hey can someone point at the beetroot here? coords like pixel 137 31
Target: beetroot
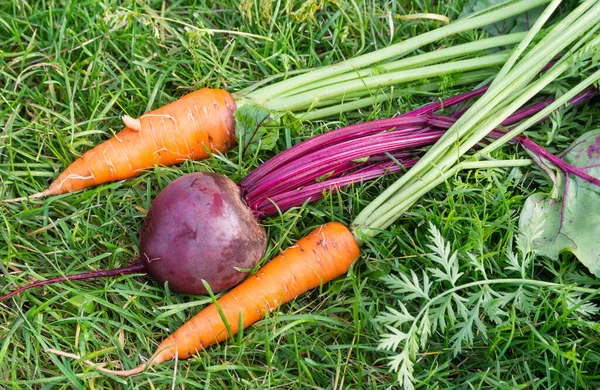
pixel 199 228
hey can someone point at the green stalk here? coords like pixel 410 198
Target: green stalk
pixel 500 101
pixel 375 228
pixel 416 61
pixel 351 105
pixel 475 114
pixel 400 202
pixel 558 69
pixel 392 207
pixel 351 65
pixel 307 99
pixel 359 94
pixel 529 67
pixel 564 99
pixel 535 29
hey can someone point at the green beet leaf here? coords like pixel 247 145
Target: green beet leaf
pixel 568 219
pixel 251 128
pixel 513 24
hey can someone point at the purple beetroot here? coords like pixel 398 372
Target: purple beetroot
pixel 199 228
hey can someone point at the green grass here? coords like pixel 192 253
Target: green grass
pixel 68 72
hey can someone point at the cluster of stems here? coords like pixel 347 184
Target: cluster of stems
pixel 575 36
pixel 369 150
pixel 359 81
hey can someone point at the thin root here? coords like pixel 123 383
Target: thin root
pixel 133 124
pixel 39 195
pixel 98 366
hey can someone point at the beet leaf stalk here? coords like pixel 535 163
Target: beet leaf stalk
pixel 369 150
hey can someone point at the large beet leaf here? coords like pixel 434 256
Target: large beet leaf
pixel 568 219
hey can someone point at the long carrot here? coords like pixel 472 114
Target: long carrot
pixel 326 253
pixel 187 128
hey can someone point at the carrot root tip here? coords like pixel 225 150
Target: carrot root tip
pixel 39 195
pixel 98 366
pixel 133 124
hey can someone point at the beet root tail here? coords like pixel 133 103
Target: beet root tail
pixel 136 268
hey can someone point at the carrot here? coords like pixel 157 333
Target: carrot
pixel 183 129
pixel 326 253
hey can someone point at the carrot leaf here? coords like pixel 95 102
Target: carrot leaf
pixel 566 220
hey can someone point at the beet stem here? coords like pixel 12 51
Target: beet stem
pixel 288 181
pixel 309 168
pixel 136 268
pixel 326 139
pixel 556 161
pixel 352 132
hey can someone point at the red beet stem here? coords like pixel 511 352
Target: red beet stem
pixel 327 139
pixel 290 183
pixel 316 191
pixel 133 269
pixel 409 119
pixel 539 153
pixel 329 160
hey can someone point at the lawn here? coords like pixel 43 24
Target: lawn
pixel 70 70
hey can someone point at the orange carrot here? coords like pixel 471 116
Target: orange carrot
pixel 326 253
pixel 169 135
